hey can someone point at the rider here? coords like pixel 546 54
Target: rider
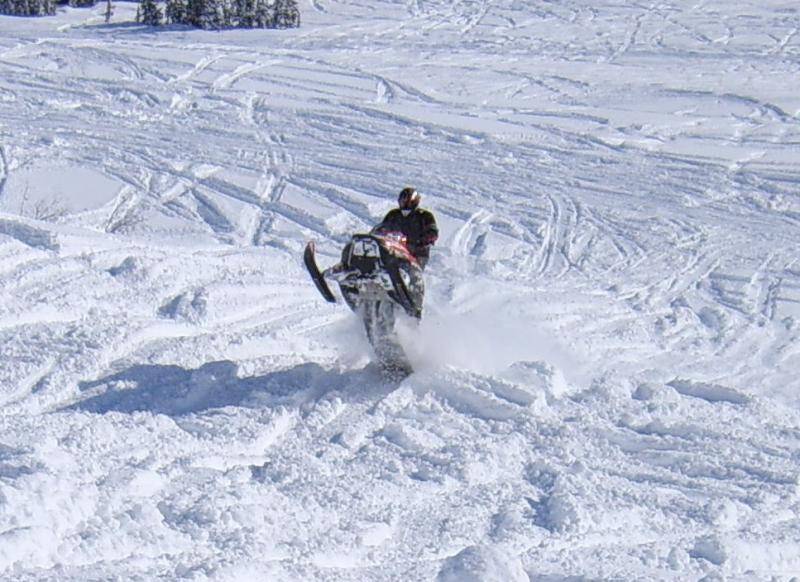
pixel 419 227
pixel 417 224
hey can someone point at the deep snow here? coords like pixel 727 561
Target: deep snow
pixel 606 381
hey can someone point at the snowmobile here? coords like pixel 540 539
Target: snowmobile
pixel 377 275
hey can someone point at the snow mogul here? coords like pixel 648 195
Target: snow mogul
pixel 381 271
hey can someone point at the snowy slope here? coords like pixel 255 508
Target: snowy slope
pixel 606 383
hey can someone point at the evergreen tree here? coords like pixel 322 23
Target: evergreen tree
pixel 10 7
pixel 263 14
pixel 81 3
pixel 194 10
pixel 287 14
pixel 27 7
pixel 244 13
pixel 150 13
pixel 175 12
pixel 214 15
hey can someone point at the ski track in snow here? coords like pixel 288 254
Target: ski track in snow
pixel 606 381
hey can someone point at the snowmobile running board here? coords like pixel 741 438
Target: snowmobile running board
pixel 309 258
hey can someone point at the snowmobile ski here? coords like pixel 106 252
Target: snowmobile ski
pixel 402 294
pixel 310 260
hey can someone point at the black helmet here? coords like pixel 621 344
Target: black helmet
pixel 408 199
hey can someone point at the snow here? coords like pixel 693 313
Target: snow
pixel 606 378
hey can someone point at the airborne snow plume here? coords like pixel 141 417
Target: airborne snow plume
pixel 487 334
pixel 606 381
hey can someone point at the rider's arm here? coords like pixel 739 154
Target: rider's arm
pixel 383 224
pixel 430 231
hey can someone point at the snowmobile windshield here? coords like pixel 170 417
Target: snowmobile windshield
pixel 393 236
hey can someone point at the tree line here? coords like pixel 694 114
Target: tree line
pixel 28 7
pixel 219 14
pixel 208 14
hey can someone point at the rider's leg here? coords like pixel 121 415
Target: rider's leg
pixel 417 289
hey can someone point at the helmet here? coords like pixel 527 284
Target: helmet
pixel 408 199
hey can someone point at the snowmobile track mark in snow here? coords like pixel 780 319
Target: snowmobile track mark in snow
pixel 3 170
pixel 227 80
pixel 198 68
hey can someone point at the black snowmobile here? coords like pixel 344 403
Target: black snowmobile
pixel 377 275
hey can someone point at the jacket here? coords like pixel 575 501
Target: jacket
pixel 419 227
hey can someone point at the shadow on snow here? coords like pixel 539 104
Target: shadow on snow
pixel 175 391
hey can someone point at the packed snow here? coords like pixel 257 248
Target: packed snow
pixel 606 378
